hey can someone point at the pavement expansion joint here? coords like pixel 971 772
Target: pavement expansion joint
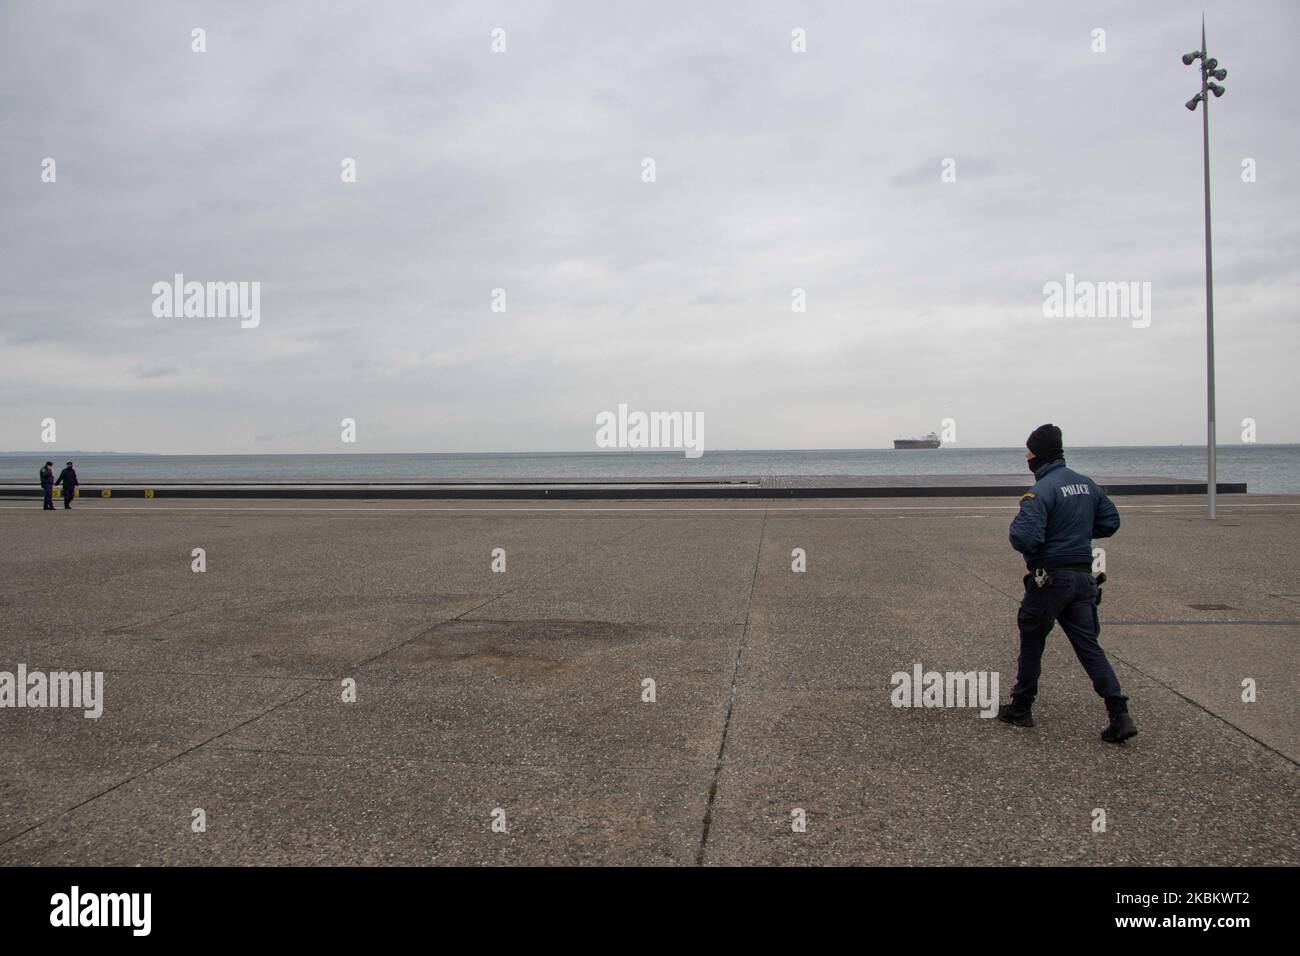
pixel 731 701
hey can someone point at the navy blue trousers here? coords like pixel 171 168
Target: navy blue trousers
pixel 1071 599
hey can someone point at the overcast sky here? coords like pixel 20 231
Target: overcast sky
pixel 522 170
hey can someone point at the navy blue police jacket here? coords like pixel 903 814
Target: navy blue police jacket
pixel 1059 516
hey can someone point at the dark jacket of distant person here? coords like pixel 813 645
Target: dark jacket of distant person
pixel 47 478
pixel 1059 516
pixel 68 479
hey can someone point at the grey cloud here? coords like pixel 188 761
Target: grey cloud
pixel 157 371
pixel 776 170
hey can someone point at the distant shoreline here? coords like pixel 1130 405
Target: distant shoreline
pixel 610 453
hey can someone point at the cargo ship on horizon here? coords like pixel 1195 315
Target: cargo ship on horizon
pixel 929 441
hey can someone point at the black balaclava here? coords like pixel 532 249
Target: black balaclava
pixel 1044 443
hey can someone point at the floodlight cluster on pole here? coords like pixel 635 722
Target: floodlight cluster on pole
pixel 1210 72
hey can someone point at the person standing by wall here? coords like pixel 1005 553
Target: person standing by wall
pixel 47 486
pixel 68 479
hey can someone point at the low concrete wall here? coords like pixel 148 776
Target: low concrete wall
pixel 783 488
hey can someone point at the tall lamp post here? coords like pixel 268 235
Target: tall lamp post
pixel 1210 71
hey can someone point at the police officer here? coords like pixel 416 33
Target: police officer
pixel 47 485
pixel 68 479
pixel 1059 516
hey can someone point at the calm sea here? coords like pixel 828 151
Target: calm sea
pixel 1264 468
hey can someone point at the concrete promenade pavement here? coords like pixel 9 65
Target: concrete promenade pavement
pixel 522 691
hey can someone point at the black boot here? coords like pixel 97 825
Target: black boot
pixel 1121 726
pixel 1017 712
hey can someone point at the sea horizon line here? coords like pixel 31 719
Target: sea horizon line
pixel 608 453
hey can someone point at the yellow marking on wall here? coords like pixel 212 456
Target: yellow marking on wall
pixel 105 493
pixel 148 492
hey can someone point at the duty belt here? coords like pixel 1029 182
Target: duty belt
pixel 1043 576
